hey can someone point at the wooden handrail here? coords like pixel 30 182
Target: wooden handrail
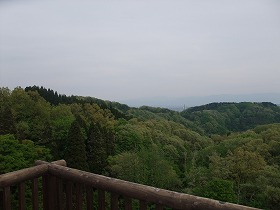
pixel 142 192
pixel 22 175
pixel 57 162
pixel 56 173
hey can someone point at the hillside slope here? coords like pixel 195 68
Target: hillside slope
pixel 223 118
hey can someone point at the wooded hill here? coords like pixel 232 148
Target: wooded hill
pixel 225 151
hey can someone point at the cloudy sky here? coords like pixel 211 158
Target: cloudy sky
pixel 125 49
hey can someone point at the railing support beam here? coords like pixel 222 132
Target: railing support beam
pixel 35 194
pixel 7 198
pixel 21 190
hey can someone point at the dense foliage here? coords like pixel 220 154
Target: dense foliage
pixel 223 118
pixel 224 151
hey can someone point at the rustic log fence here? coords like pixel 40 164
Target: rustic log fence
pixel 68 188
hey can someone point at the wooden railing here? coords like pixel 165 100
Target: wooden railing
pixel 68 188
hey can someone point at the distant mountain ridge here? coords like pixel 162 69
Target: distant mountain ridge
pixel 212 118
pixel 223 118
pixel 179 103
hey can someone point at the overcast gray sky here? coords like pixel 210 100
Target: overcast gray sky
pixel 128 49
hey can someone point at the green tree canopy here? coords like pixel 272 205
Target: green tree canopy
pixel 15 155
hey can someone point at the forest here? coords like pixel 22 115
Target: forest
pixel 224 151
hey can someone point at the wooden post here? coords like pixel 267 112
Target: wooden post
pixel 45 180
pixel 159 207
pixel 79 197
pixel 69 200
pixel 101 199
pixel 143 205
pixel 114 201
pixel 89 198
pixel 60 196
pixel 52 193
pixel 7 198
pixel 127 203
pixel 35 195
pixel 49 192
pixel 21 194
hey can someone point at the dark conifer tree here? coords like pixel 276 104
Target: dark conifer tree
pixel 96 149
pixel 7 123
pixel 56 98
pixel 75 154
pixel 83 125
pixel 110 141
